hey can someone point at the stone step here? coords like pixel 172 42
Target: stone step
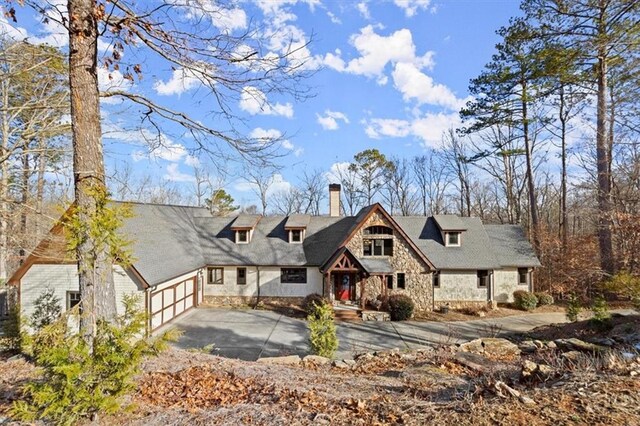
pixel 347 315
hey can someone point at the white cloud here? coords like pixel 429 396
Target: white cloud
pixel 53 32
pixel 333 18
pixel 112 81
pixel 254 101
pixel 181 81
pixel 226 19
pixel 277 184
pixel 429 128
pixel 415 85
pixel 164 150
pixel 192 161
pixel 330 119
pixel 363 8
pixel 10 31
pixel 410 7
pixel 268 135
pixel 175 175
pixel 377 51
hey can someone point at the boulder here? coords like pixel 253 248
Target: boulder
pixel 552 345
pixel 602 341
pixel 316 359
pixel 574 344
pixel 364 356
pixel 340 364
pixel 473 361
pixel 539 344
pixel 283 360
pixel 530 368
pixel 492 347
pixel 349 362
pixel 528 347
pixel 628 333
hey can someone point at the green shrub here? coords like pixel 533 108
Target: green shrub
pixel 525 300
pixel 310 303
pixel 47 309
pixel 400 307
pixel 600 311
pixel 322 331
pixel 544 298
pixel 77 382
pixel 573 308
pixel 626 285
pixel 10 330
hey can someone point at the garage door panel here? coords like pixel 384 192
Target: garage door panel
pixel 168 303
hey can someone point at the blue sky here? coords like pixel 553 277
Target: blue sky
pixel 390 75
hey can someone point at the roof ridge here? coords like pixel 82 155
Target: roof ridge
pixel 158 204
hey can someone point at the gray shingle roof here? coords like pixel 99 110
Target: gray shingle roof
pixel 172 240
pixel 244 221
pixel 511 246
pixel 448 222
pixel 297 221
pixel 375 265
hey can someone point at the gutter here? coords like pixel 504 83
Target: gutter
pixel 258 287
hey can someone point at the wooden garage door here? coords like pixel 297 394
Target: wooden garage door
pixel 171 302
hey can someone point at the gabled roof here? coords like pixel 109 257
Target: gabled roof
pixel 448 222
pixel 297 221
pixel 246 221
pixel 169 241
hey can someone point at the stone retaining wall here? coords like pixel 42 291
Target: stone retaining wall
pixel 250 300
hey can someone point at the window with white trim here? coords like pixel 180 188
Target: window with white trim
pixel 483 278
pixel 295 235
pixel 523 276
pixel 452 239
pixel 215 275
pixel 73 299
pixel 241 276
pixel 242 236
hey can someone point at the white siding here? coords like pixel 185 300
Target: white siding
pixel 270 285
pixel 506 282
pixel 63 278
pixel 460 286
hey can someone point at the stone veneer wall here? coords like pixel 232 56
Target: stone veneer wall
pixel 404 259
pixel 250 300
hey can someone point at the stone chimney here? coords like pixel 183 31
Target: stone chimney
pixel 334 199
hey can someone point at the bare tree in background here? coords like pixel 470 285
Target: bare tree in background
pixel 432 181
pixel 456 160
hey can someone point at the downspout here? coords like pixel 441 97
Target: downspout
pixel 258 287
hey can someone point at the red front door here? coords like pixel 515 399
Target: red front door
pixel 343 286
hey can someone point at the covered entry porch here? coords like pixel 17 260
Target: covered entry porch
pixel 349 280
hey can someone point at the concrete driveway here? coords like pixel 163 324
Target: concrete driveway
pixel 252 334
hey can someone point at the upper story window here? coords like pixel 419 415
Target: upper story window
pixel 296 235
pixel 378 230
pixel 452 239
pixel 378 247
pixel 242 236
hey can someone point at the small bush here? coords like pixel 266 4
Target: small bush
pixel 10 330
pixel 79 382
pixel 400 307
pixel 322 331
pixel 600 311
pixel 310 303
pixel 525 300
pixel 573 308
pixel 626 285
pixel 544 299
pixel 47 309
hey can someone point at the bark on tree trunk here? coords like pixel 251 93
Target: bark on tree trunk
pixel 26 174
pixel 42 158
pixel 602 157
pixel 563 181
pixel 533 202
pixel 94 266
pixel 4 187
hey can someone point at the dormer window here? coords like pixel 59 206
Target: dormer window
pixel 242 236
pixel 296 235
pixel 452 239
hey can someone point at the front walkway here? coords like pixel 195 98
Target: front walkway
pixel 252 334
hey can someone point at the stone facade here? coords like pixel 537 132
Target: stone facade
pixel 404 260
pixel 250 300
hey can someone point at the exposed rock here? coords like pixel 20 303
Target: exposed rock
pixel 539 344
pixel 349 362
pixel 340 364
pixel 430 376
pixel 627 333
pixel 552 345
pixel 546 370
pixel 473 361
pixel 425 350
pixel 322 419
pixel 603 341
pixel 285 360
pixel 490 346
pixel 574 344
pixel 504 390
pixel 530 368
pixel 316 359
pixel 481 314
pixel 528 347
pixel 409 357
pixel 364 356
pixel 18 357
pixel 375 316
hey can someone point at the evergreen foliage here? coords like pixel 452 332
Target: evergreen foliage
pixel 47 309
pixel 322 331
pixel 544 298
pixel 573 308
pixel 311 302
pixel 627 285
pixel 79 380
pixel 400 307
pixel 600 309
pixel 525 300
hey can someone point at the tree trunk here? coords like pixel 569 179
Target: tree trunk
pixel 26 172
pixel 602 155
pixel 533 202
pixel 4 185
pixel 95 273
pixel 42 163
pixel 563 178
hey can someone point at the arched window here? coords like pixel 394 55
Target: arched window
pixel 378 230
